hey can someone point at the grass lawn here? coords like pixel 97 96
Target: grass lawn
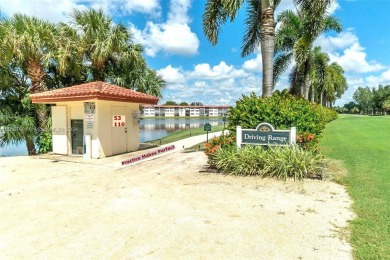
pixel 179 135
pixel 363 144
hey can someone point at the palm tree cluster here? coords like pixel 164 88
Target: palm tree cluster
pixel 312 76
pixel 36 55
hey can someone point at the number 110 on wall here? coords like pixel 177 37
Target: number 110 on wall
pixel 119 121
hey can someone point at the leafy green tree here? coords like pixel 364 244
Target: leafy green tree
pixel 197 103
pixel 355 110
pixel 112 56
pixel 17 115
pixel 260 30
pixel 363 97
pixel 294 40
pixel 170 103
pixel 335 85
pixel 386 105
pixel 183 104
pixel 32 44
pixel 351 105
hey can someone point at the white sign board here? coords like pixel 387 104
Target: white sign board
pixel 119 121
pixel 89 117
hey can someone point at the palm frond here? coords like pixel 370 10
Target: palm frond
pixel 251 38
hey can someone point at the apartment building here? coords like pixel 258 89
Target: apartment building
pixel 182 111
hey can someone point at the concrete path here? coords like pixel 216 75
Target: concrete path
pixel 136 157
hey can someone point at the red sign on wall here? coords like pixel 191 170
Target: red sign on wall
pixel 119 121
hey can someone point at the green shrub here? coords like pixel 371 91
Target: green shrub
pixel 215 144
pixel 281 111
pixel 277 162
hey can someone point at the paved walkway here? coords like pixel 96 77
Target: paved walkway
pixel 136 157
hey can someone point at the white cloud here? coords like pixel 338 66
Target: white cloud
pixel 59 10
pixel 174 36
pixel 354 59
pixel 333 7
pixel 254 65
pixel 218 72
pixel 172 75
pixel 220 84
pixel 333 43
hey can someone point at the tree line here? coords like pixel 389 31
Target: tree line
pixel 369 101
pixel 37 55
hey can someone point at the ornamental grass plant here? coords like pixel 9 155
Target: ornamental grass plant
pixel 276 162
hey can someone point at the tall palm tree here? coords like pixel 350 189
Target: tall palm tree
pixel 260 29
pixel 317 74
pixel 294 40
pixel 32 44
pixel 111 53
pixel 105 43
pixel 335 85
pixel 17 115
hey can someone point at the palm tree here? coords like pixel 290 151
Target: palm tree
pixel 335 85
pixel 17 115
pixel 32 44
pixel 111 53
pixel 318 71
pixel 260 28
pixel 294 40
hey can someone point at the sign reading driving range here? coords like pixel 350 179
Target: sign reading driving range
pixel 265 134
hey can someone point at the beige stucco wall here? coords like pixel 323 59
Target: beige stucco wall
pixel 101 132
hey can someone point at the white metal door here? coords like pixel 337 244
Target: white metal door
pixel 59 129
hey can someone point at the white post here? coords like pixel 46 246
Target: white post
pixel 293 136
pixel 87 147
pixel 238 136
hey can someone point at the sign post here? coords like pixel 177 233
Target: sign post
pixel 207 128
pixel 265 134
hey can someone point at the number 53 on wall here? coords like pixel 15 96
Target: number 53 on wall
pixel 119 121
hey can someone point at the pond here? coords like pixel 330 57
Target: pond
pixel 150 129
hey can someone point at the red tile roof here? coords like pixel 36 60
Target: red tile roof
pixel 93 90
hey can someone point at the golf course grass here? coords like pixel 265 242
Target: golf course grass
pixel 363 144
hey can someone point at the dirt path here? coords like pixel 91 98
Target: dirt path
pixel 165 208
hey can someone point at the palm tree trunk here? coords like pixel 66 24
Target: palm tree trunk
pixel 306 87
pixel 321 96
pixel 36 74
pixel 267 49
pixel 30 145
pixel 312 94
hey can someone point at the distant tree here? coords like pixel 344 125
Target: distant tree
pixel 355 110
pixel 364 98
pixel 170 103
pixel 183 104
pixel 386 105
pixel 351 105
pixel 196 104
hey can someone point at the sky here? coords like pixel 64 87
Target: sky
pixel 175 46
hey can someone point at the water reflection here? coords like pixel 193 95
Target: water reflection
pixel 155 128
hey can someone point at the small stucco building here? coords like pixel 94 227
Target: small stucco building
pixel 96 119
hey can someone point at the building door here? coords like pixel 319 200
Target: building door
pixel 77 133
pixel 119 130
pixel 59 129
